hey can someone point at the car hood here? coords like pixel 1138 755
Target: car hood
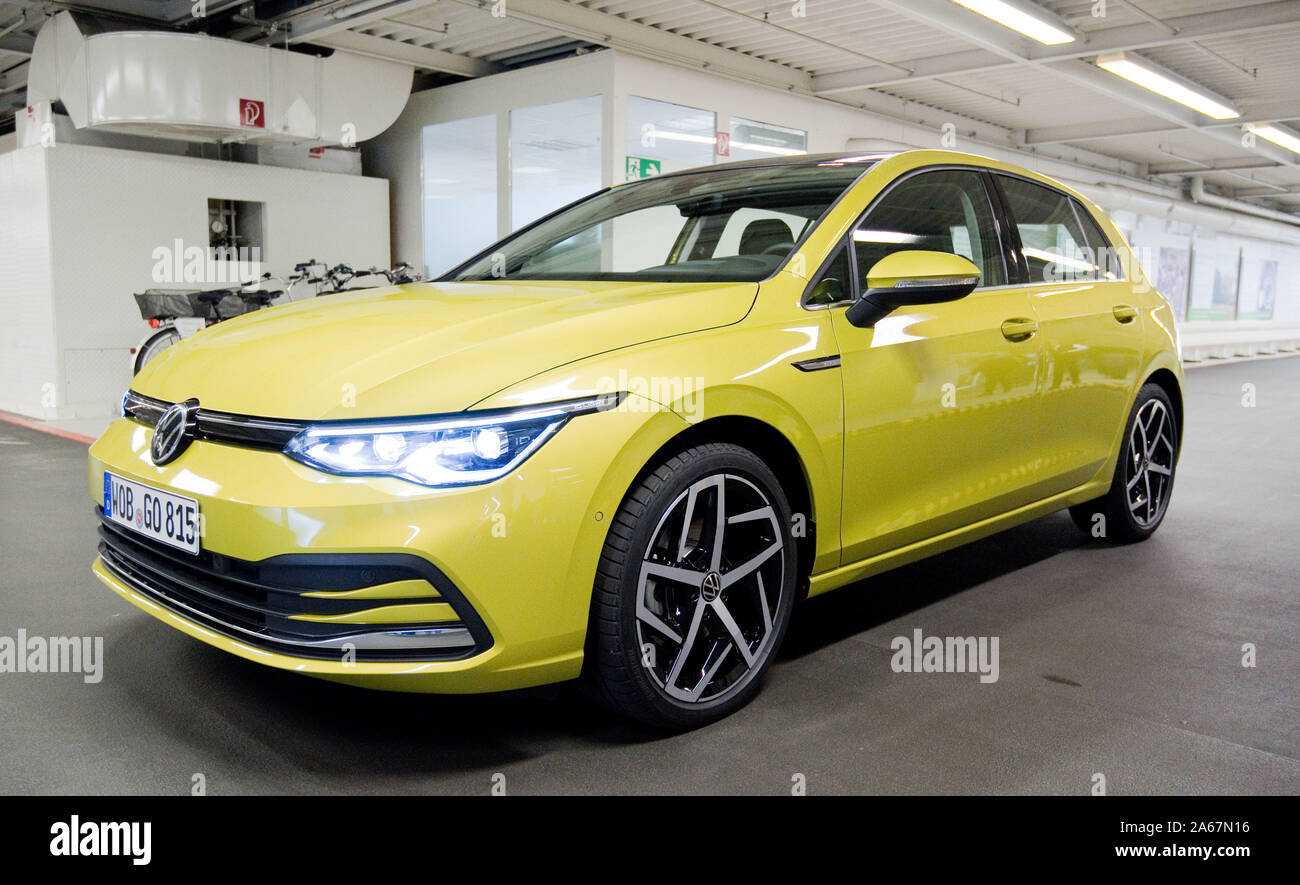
pixel 423 348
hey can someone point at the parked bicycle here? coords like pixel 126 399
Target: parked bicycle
pixel 174 314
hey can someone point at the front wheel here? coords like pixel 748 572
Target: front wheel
pixel 1144 476
pixel 694 589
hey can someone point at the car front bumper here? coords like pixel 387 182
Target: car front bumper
pixel 377 581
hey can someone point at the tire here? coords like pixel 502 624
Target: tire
pixel 1139 493
pixel 669 604
pixel 156 344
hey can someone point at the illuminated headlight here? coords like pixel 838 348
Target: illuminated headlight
pixel 445 450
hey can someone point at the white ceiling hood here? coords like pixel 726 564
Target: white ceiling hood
pixel 200 88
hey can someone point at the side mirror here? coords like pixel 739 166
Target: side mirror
pixel 912 276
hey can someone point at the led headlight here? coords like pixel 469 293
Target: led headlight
pixel 444 450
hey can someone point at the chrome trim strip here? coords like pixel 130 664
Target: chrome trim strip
pixel 414 638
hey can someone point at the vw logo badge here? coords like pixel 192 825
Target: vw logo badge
pixel 712 587
pixel 174 432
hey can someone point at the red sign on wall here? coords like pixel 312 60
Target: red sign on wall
pixel 723 142
pixel 316 153
pixel 252 113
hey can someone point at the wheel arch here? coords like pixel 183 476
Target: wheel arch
pixel 775 450
pixel 1171 385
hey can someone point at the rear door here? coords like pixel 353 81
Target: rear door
pixel 1091 327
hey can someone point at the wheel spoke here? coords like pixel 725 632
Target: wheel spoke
pixel 1134 505
pixel 710 673
pixel 1156 468
pixel 688 517
pixel 720 525
pixel 684 652
pixel 767 612
pixel 761 513
pixel 646 616
pixel 1155 437
pixel 688 576
pixel 743 571
pixel 679 575
pixel 737 636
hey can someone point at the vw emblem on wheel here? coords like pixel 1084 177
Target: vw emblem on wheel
pixel 712 587
pixel 173 432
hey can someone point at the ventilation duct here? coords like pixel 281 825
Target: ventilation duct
pixel 199 88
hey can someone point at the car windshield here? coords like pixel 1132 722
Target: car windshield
pixel 736 224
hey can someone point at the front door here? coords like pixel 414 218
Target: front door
pixel 942 411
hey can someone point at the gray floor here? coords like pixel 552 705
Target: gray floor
pixel 1119 661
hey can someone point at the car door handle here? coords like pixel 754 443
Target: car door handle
pixel 1019 329
pixel 1124 313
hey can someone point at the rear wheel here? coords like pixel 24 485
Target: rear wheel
pixel 156 344
pixel 694 589
pixel 1144 477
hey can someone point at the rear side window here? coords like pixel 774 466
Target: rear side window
pixel 1109 267
pixel 1051 236
pixel 942 211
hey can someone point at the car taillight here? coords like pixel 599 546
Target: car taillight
pixel 153 323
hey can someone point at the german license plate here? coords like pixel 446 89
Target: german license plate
pixel 170 519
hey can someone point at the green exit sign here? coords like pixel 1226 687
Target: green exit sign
pixel 640 167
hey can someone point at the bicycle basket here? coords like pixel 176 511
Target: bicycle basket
pixel 162 303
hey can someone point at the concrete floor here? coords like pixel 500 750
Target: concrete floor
pixel 1120 661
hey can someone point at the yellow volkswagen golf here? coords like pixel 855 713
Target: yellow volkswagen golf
pixel 623 442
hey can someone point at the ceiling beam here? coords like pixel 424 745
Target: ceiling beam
pixel 311 26
pixel 1273 111
pixel 419 56
pixel 1188 28
pixel 14 79
pixel 603 29
pixel 1282 191
pixel 17 43
pixel 1208 167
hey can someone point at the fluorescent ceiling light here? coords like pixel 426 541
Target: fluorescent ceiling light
pixel 1057 258
pixel 683 136
pixel 767 149
pixel 885 236
pixel 1026 18
pixel 1277 135
pixel 1150 75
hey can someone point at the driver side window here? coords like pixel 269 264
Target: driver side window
pixel 942 211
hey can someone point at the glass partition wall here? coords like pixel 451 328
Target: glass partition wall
pixel 485 176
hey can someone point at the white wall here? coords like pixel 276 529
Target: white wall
pixel 8 142
pixel 107 211
pixel 28 364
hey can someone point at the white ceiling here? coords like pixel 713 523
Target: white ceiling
pixel 889 56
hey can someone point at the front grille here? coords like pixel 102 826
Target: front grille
pixel 209 424
pixel 255 602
